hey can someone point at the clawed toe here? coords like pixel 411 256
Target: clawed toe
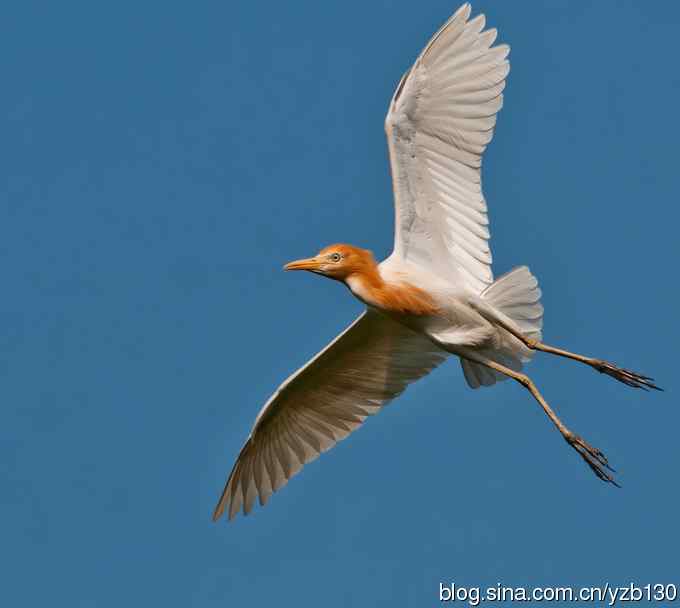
pixel 626 376
pixel 594 458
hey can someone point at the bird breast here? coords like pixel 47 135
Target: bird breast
pixel 393 297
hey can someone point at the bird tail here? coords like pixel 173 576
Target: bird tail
pixel 516 297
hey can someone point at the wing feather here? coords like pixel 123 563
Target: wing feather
pixel 363 369
pixel 439 123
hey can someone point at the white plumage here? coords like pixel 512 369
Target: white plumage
pixel 434 296
pixel 439 123
pixel 366 366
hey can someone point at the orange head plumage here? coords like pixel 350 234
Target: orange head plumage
pixel 339 262
pixel 357 268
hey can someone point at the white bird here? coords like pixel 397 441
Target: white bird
pixel 434 296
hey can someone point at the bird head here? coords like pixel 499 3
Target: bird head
pixel 336 262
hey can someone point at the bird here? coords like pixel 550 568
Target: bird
pixel 434 297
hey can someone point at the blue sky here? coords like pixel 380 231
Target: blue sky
pixel 161 161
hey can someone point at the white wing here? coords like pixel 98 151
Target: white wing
pixel 439 123
pixel 365 367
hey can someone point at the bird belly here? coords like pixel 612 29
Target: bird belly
pixel 457 324
pixel 454 324
pixel 426 304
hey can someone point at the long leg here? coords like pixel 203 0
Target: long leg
pixel 594 458
pixel 626 376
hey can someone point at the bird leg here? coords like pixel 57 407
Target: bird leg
pixel 593 457
pixel 626 376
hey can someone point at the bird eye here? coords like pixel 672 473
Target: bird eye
pixel 335 257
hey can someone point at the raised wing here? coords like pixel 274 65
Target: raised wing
pixel 365 367
pixel 439 123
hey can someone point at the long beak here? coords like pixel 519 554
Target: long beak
pixel 306 264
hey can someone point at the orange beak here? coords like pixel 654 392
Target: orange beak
pixel 306 264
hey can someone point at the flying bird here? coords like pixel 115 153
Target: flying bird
pixel 434 296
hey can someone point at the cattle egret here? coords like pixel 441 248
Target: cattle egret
pixel 434 296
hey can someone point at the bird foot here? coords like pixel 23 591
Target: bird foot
pixel 625 375
pixel 594 458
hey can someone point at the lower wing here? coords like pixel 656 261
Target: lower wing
pixel 364 368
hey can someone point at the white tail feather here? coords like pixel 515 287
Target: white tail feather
pixel 516 296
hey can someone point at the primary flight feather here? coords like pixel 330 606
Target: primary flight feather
pixel 434 296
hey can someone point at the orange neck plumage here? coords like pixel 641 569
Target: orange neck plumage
pixel 356 268
pixel 396 298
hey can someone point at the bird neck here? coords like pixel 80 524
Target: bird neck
pixel 400 297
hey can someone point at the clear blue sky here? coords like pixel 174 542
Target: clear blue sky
pixel 161 161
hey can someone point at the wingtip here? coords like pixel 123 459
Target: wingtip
pixel 217 513
pixel 464 10
pixel 478 22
